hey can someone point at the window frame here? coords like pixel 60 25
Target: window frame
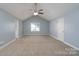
pixel 34 29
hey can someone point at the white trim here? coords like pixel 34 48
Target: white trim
pixel 7 44
pixel 36 34
pixel 65 42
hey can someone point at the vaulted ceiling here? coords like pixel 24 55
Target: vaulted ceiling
pixel 51 10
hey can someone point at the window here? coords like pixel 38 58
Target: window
pixel 35 27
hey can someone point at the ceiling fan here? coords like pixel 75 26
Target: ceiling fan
pixel 36 11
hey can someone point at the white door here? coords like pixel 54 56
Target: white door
pixel 60 29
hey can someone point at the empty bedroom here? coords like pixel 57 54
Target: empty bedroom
pixel 39 29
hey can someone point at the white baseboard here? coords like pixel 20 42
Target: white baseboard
pixel 36 34
pixel 7 44
pixel 65 43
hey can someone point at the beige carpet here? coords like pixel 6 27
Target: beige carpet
pixel 37 46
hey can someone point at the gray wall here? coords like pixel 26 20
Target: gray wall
pixel 7 27
pixel 72 27
pixel 44 26
pixel 20 29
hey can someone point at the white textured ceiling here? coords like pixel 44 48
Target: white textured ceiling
pixel 51 10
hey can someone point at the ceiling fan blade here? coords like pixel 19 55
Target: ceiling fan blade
pixel 41 10
pixel 40 13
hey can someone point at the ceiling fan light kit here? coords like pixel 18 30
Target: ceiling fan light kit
pixel 35 13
